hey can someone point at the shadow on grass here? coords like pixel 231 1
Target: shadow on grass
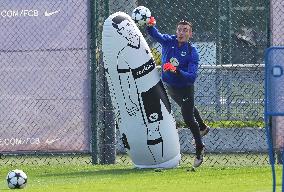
pixel 115 171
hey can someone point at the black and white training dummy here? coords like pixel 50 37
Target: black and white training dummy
pixel 145 120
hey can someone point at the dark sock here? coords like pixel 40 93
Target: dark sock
pixel 202 126
pixel 196 135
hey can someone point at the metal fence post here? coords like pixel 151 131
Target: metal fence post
pixel 94 112
pixel 224 21
pixel 107 135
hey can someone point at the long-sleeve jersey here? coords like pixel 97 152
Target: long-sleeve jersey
pixel 186 55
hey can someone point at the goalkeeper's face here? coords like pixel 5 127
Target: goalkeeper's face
pixel 184 33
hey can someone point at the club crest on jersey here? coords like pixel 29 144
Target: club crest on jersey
pixel 183 53
pixel 174 61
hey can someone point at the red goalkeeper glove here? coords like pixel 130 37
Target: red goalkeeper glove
pixel 166 66
pixel 152 21
pixel 169 67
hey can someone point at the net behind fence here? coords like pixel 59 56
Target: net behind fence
pixel 72 95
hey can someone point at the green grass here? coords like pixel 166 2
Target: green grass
pixel 229 124
pixel 117 178
pixel 236 124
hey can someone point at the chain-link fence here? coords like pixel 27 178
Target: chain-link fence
pixel 65 102
pixel 231 37
pixel 45 77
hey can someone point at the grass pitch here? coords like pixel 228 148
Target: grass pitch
pixel 117 178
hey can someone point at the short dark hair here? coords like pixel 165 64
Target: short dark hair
pixel 184 22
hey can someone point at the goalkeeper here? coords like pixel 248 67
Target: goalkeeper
pixel 179 72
